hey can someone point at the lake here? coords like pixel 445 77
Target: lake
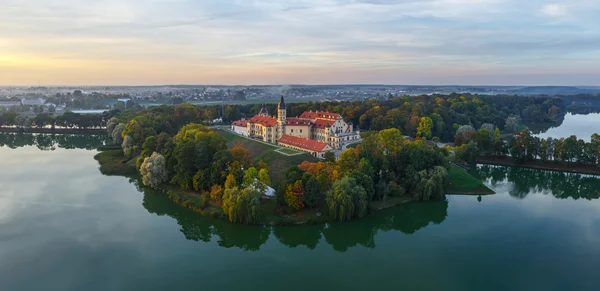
pixel 65 226
pixel 583 126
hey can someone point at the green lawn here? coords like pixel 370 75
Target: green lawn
pixel 289 151
pixel 462 182
pixel 277 162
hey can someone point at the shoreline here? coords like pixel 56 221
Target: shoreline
pixel 112 164
pixel 539 165
pixel 53 130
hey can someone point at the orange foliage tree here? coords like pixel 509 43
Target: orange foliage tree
pixel 294 196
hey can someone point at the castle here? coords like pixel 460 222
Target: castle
pixel 312 132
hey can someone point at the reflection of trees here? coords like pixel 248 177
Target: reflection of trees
pixel 538 128
pixel 560 184
pixel 407 218
pixel 52 141
pixel 293 236
pixel 199 228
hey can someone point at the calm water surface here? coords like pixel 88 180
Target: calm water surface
pixel 583 126
pixel 64 226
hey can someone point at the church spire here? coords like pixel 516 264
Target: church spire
pixel 281 104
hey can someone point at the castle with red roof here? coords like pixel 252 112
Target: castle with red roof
pixel 313 132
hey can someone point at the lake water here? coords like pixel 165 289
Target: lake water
pixel 64 226
pixel 583 126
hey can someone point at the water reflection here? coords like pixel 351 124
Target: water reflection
pixel 52 141
pixel 408 219
pixel 525 181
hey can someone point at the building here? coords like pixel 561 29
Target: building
pixel 313 132
pixel 7 104
pixel 33 102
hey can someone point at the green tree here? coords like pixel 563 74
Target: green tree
pixel 424 129
pixel 346 200
pixel 329 156
pixel 242 206
pixel 312 192
pixel 250 178
pixel 264 180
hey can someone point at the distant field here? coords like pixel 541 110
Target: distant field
pixel 277 162
pixel 240 102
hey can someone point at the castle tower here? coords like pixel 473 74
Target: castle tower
pixel 281 116
pixel 281 110
pixel 263 110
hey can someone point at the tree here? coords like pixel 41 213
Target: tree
pixel 149 146
pixel 264 180
pixel 490 127
pixel 312 192
pixel 127 145
pixel 111 124
pixel 154 170
pixel 216 193
pixel 431 184
pixel 242 205
pixel 348 160
pixel 117 133
pixel 424 129
pixel 329 156
pixel 294 195
pixel 512 124
pixel 250 178
pixel 346 200
pixel 496 135
pixel 231 181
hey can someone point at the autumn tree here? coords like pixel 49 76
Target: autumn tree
pixel 294 195
pixel 424 129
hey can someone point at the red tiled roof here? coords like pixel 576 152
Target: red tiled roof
pixel 297 121
pixel 242 123
pixel 319 114
pixel 322 123
pixel 264 120
pixel 304 143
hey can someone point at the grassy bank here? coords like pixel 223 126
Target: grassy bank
pixel 550 166
pixel 464 183
pixel 112 163
pixel 277 162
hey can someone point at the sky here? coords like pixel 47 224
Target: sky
pixel 243 42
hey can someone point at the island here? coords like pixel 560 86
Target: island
pixel 261 169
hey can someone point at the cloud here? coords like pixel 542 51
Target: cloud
pixel 235 38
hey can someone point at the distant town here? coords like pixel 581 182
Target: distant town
pixel 60 99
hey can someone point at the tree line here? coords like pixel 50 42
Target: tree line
pixel 525 181
pixel 447 112
pixel 66 120
pixel 52 141
pixel 523 147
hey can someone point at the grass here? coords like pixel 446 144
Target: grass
pixel 462 182
pixel 288 151
pixel 277 162
pixel 112 163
